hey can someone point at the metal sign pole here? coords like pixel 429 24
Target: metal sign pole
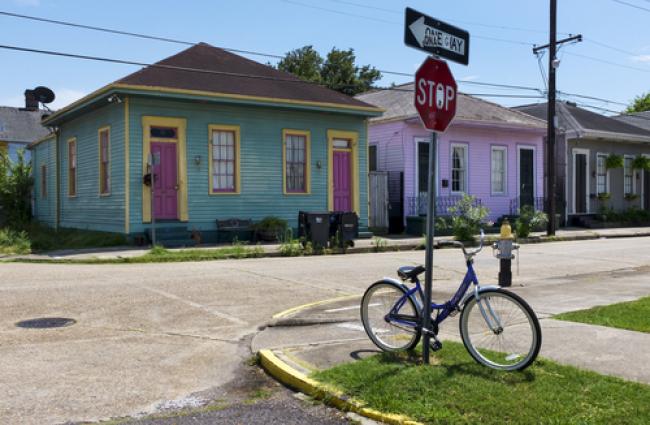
pixel 428 261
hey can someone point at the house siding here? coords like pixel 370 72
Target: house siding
pixel 479 141
pixel 44 209
pixel 89 210
pixel 388 137
pixel 617 199
pixel 261 192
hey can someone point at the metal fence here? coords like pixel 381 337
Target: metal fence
pixel 515 204
pixel 417 205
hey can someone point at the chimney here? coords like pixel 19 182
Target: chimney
pixel 31 103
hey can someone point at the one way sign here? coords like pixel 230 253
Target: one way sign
pixel 436 37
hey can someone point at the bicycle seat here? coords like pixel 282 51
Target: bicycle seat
pixel 409 272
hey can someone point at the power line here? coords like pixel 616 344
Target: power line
pixel 607 62
pixel 631 5
pixel 581 96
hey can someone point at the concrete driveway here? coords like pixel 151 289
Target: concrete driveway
pixel 156 335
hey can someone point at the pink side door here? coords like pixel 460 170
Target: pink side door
pixel 342 181
pixel 166 182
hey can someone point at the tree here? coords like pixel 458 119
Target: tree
pixel 337 71
pixel 639 104
pixel 304 63
pixel 15 188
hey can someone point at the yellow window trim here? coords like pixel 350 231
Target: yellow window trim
pixel 127 166
pixel 99 159
pixel 353 137
pixel 235 129
pixel 291 132
pixel 67 161
pixel 181 124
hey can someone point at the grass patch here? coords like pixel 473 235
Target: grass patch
pixel 159 254
pixel 632 315
pixel 458 390
pixel 35 237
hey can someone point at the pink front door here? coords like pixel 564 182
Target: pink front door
pixel 165 200
pixel 342 181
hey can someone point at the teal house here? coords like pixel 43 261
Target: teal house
pixel 223 136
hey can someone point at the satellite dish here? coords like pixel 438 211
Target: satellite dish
pixel 43 94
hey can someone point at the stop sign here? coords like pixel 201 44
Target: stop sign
pixel 435 94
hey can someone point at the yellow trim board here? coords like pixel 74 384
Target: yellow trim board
pixel 353 137
pixel 235 129
pixel 216 95
pixel 181 125
pixel 127 166
pixel 299 381
pixel 307 134
pixel 99 159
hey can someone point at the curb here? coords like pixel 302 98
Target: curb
pixel 292 378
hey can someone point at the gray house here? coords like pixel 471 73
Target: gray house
pixel 585 140
pixel 19 127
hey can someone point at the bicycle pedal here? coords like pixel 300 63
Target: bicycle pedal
pixel 435 345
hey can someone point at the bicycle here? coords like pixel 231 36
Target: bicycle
pixel 498 328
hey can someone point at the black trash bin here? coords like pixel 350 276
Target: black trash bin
pixel 345 226
pixel 314 227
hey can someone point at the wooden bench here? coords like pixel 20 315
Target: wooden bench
pixel 234 228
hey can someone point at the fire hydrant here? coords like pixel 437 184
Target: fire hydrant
pixel 503 250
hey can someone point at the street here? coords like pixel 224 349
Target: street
pixel 175 334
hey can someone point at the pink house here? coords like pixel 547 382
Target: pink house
pixel 491 152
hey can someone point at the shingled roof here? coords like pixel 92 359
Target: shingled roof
pixel 18 125
pixel 398 104
pixel 228 73
pixel 579 122
pixel 638 119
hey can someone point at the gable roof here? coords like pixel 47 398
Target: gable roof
pixel 224 76
pixel 579 123
pixel 638 119
pixel 18 125
pixel 398 105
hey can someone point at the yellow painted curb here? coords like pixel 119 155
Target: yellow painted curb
pixel 293 310
pixel 299 381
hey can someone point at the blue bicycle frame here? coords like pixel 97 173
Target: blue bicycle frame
pixel 442 310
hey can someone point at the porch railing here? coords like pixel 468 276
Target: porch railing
pixel 417 205
pixel 516 203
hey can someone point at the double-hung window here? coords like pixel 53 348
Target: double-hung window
pixel 601 174
pixel 224 165
pixel 104 161
pixel 72 167
pixel 458 168
pixel 628 176
pixel 498 175
pixel 296 161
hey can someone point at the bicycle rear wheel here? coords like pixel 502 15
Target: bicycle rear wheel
pixel 512 338
pixel 376 304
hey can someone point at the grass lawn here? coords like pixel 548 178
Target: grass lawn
pixel 455 389
pixel 632 315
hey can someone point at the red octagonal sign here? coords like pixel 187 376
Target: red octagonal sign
pixel 435 94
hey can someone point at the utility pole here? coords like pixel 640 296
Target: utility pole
pixel 553 63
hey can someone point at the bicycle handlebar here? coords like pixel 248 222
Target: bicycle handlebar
pixel 462 246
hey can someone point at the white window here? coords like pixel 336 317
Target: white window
pixel 458 168
pixel 499 158
pixel 628 176
pixel 224 161
pixel 601 174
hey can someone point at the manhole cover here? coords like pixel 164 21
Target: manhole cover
pixel 46 322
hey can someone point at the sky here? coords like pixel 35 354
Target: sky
pixel 613 61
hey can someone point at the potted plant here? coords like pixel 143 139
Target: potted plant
pixel 631 196
pixel 271 228
pixel 614 161
pixel 641 162
pixel 603 196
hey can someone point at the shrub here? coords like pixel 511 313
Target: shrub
pixel 529 219
pixel 15 189
pixel 466 218
pixel 14 242
pixel 271 228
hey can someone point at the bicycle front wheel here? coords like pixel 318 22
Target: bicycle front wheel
pixel 500 331
pixel 389 333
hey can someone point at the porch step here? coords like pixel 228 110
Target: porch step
pixel 172 236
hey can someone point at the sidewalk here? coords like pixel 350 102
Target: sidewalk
pixel 380 243
pixel 321 335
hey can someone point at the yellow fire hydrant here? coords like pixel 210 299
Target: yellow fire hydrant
pixel 503 250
